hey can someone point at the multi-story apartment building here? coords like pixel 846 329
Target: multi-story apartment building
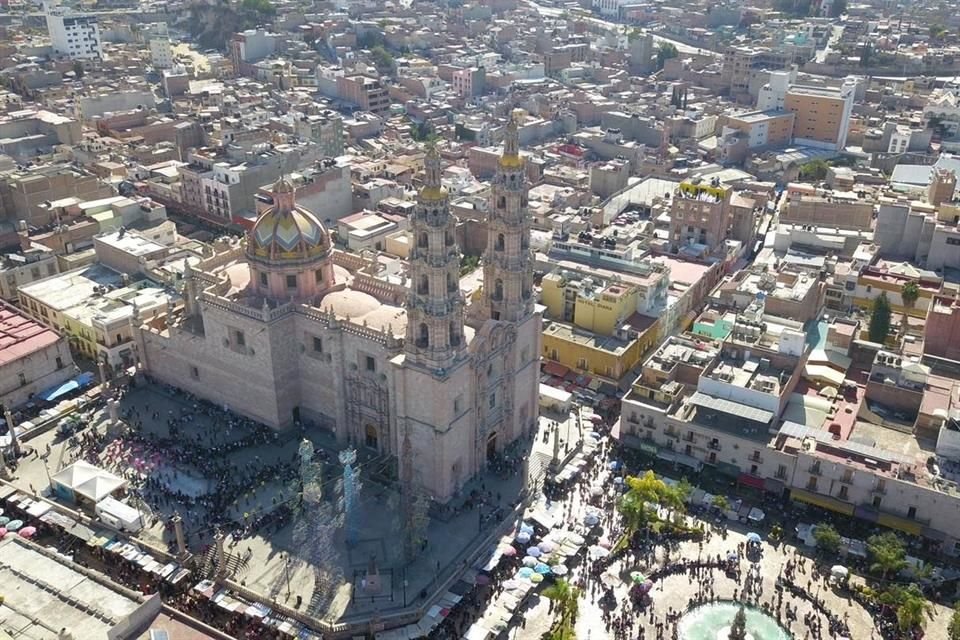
pixel 822 114
pixel 20 269
pixel 365 92
pixel 73 35
pixel 325 129
pixel 743 65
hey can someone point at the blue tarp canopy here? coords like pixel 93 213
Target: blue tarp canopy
pixel 64 388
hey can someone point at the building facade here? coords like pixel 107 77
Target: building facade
pixel 315 336
pixel 73 35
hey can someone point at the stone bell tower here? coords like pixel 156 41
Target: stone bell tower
pixel 507 262
pixel 435 306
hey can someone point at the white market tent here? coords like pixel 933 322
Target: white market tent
pixel 87 481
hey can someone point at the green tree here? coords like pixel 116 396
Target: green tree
pixel 684 490
pixel 937 31
pixel 814 170
pixel 78 69
pixel 721 503
pixel 566 599
pixel 910 604
pixel 827 538
pixel 879 319
pixel 887 553
pixel 383 60
pixel 665 51
pixel 909 294
pixel 644 490
pixel 953 631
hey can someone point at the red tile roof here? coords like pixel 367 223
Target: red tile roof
pixel 20 335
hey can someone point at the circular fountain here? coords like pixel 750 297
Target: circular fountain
pixel 712 621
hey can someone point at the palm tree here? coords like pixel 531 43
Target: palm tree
pixel 887 554
pixel 567 599
pixel 911 606
pixel 908 295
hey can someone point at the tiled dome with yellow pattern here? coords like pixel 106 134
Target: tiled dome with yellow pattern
pixel 286 231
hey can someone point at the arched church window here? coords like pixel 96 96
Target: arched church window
pixel 499 244
pixel 424 286
pixel 498 290
pixel 423 339
pixel 422 241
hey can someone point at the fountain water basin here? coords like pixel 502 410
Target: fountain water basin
pixel 712 622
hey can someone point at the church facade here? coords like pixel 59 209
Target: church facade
pixel 284 328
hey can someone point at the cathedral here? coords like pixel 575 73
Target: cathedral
pixel 284 328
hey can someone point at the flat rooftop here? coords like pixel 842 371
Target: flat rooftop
pixel 586 338
pixel 131 243
pixel 42 594
pixel 72 288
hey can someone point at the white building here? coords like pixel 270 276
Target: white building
pixel 73 35
pixel 161 52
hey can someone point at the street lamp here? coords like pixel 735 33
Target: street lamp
pixel 286 572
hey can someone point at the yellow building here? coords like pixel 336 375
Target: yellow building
pixel 890 278
pixel 594 304
pixel 588 352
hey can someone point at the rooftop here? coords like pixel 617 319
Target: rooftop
pixel 20 336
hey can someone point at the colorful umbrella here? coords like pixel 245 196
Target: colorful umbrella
pixel 14 525
pixel 637 578
pixel 27 532
pixel 591 520
pixel 536 578
pixel 510 585
pixel 508 551
pixel 526 528
pixel 529 561
pixel 542 569
pixel 535 552
pixel 525 572
pixel 559 570
pixel 4 520
pixel 3 532
pixel 523 537
pixel 596 552
pixel 646 586
pixel 546 546
pixel 754 537
pixel 605 543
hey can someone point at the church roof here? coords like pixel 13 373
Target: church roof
pixel 286 231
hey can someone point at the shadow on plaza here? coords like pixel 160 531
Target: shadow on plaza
pixel 310 556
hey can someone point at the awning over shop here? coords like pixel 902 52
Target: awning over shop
pixel 555 369
pixel 750 481
pixel 933 534
pixel 823 501
pixel 773 485
pixel 64 388
pixel 901 524
pixel 865 512
pixel 680 458
pixel 728 469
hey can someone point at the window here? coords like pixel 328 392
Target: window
pixel 35 273
pixel 912 513
pixel 263 279
pixel 239 338
pixel 59 362
pixel 493 400
pixel 581 363
pixel 291 282
pixel 843 495
pixel 876 502
pixel 318 275
pixel 371 364
pixel 22 378
pixel 458 405
pixel 317 345
pixel 194 373
pixel 781 472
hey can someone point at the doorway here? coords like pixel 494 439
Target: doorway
pixel 370 437
pixel 491 446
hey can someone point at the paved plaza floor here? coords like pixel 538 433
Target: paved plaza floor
pixel 300 557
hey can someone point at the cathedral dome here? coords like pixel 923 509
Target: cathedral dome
pixel 286 232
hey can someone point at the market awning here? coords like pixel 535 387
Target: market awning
pixel 64 388
pixel 818 500
pixel 680 458
pixel 749 480
pixel 901 524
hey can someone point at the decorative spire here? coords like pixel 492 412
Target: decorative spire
pixel 511 140
pixel 283 195
pixel 432 165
